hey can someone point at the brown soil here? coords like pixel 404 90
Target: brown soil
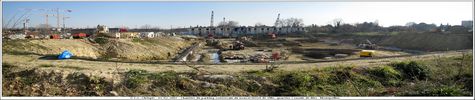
pixel 124 49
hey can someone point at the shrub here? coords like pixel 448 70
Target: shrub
pixel 412 70
pixel 204 58
pixel 295 84
pixel 6 68
pixel 168 78
pixel 447 91
pixel 387 75
pixel 467 81
pixel 339 74
pixel 422 90
pixel 101 40
pixel 135 78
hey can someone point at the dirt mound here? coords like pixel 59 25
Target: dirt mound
pixel 429 42
pixel 127 49
pixel 79 48
pixel 145 49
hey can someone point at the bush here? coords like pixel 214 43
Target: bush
pixel 7 68
pixel 295 84
pixel 101 40
pixel 204 58
pixel 168 78
pixel 447 91
pixel 412 70
pixel 387 75
pixel 467 81
pixel 339 74
pixel 424 90
pixel 135 78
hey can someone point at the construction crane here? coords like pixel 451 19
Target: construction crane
pixel 10 20
pixel 212 16
pixel 64 21
pixel 276 30
pixel 22 17
pixel 277 21
pixel 25 24
pixel 59 16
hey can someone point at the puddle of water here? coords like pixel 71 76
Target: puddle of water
pixel 215 58
pixel 233 60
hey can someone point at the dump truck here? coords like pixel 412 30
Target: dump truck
pixel 367 53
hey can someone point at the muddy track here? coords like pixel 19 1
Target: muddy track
pixel 286 62
pixel 106 68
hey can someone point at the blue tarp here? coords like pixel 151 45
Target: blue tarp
pixel 65 55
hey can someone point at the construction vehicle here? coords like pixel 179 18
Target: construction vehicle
pixel 55 36
pixel 367 53
pixel 367 45
pixel 79 35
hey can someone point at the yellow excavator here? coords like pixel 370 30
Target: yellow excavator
pixel 366 53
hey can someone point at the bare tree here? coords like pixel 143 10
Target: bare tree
pixel 228 24
pixel 292 22
pixel 259 24
pixel 410 24
pixel 146 26
pixel 337 22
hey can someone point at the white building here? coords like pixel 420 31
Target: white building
pixel 147 34
pixel 467 24
pixel 235 31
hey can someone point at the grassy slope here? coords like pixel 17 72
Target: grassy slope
pixel 129 49
pixel 429 41
pixel 442 76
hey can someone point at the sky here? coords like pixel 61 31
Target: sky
pixel 186 14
